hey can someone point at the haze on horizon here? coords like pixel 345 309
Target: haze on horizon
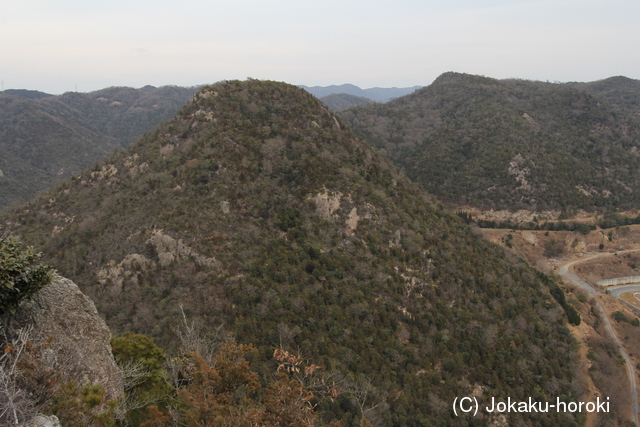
pixel 57 47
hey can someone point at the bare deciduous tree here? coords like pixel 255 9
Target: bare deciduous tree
pixel 367 397
pixel 16 406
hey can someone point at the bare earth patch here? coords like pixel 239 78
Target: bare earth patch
pixel 632 298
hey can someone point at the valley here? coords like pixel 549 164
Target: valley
pixel 582 263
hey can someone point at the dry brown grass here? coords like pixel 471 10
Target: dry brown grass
pixel 632 298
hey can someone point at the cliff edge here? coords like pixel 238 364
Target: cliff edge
pixel 77 337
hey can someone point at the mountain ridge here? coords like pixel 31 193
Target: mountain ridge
pixel 618 90
pixel 46 139
pixel 508 144
pixel 256 209
pixel 341 101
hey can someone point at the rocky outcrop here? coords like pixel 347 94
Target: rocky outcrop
pixel 78 340
pixel 44 421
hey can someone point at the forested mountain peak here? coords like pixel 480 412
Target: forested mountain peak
pixel 255 209
pixel 452 77
pixel 25 93
pixel 509 144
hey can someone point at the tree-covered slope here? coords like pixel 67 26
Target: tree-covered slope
pixel 44 139
pixel 341 101
pixel 621 91
pixel 509 144
pixel 255 209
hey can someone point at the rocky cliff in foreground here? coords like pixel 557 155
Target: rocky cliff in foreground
pixel 66 340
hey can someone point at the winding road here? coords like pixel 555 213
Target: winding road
pixel 591 291
pixel 624 288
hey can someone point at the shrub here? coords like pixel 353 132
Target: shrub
pixel 79 406
pixel 20 277
pixel 146 380
pixel 620 317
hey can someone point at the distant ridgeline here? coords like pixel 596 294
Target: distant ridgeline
pixel 341 101
pixel 377 94
pixel 46 138
pixel 514 144
pixel 255 209
pixel 621 91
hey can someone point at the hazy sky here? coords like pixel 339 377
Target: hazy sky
pixel 53 46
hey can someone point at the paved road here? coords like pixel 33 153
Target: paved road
pixel 576 280
pixel 591 291
pixel 617 290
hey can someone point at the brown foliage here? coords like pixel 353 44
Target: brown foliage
pixel 226 392
pixel 221 394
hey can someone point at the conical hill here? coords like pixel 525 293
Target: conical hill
pixel 256 209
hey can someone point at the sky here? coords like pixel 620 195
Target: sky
pixel 86 45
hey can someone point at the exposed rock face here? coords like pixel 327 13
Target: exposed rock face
pixel 327 204
pixel 79 338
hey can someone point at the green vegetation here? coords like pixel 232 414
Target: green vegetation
pixel 254 208
pixel 341 101
pixel 614 220
pixel 580 227
pixel 558 294
pixel 621 91
pixel 147 381
pixel 24 93
pixel 80 406
pixel 44 139
pixel 20 276
pixel 212 384
pixel 621 317
pixel 509 144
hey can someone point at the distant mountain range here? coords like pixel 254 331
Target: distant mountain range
pixel 376 94
pixel 467 139
pixel 46 138
pixel 511 144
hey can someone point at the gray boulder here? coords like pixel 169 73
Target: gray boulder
pixel 78 338
pixel 44 421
